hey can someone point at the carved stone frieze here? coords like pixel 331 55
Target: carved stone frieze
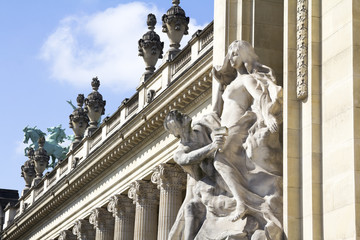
pixel 302 50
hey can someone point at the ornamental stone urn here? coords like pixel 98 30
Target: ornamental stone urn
pixel 94 106
pixel 175 24
pixel 28 171
pixel 150 47
pixel 41 160
pixel 79 121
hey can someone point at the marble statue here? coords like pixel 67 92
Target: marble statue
pixel 234 160
pixel 52 145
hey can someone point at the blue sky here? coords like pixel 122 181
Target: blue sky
pixel 50 50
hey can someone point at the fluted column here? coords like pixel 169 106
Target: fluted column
pixel 83 230
pixel 103 223
pixel 66 235
pixel 170 179
pixel 146 197
pixel 123 210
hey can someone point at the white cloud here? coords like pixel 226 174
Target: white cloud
pixel 103 44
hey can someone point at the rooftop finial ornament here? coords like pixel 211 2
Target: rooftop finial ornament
pixel 175 24
pixel 150 47
pixel 41 160
pixel 28 171
pixel 94 105
pixel 79 121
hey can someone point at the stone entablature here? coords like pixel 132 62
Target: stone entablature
pixel 119 135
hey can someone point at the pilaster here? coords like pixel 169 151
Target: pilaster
pixel 66 235
pixel 146 197
pixel 171 180
pixel 83 230
pixel 123 210
pixel 103 222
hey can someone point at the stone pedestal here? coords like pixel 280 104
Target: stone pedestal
pixel 170 179
pixel 123 210
pixel 103 223
pixel 66 235
pixel 146 197
pixel 83 230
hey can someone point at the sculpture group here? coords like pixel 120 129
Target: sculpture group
pixel 233 157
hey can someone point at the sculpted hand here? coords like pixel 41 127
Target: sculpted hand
pixel 219 142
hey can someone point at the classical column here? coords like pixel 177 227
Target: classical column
pixel 83 230
pixel 66 235
pixel 146 197
pixel 103 223
pixel 123 210
pixel 170 179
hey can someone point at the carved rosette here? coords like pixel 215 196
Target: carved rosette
pixel 302 50
pixel 169 177
pixel 101 219
pixel 143 193
pixel 150 46
pixel 66 235
pixel 175 24
pixel 83 230
pixel 28 170
pixel 94 105
pixel 79 120
pixel 41 160
pixel 120 206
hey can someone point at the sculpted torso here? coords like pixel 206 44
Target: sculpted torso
pixel 236 100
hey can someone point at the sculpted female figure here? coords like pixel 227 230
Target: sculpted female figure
pixel 249 104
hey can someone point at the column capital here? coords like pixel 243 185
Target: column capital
pixel 169 176
pixel 66 235
pixel 143 193
pixel 101 218
pixel 83 230
pixel 120 206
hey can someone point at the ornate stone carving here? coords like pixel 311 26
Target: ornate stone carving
pixel 302 50
pixel 66 235
pixel 150 47
pixel 169 177
pixel 175 24
pixel 143 193
pixel 83 230
pixel 101 219
pixel 233 156
pixel 41 160
pixel 28 170
pixel 123 210
pixel 79 121
pixel 150 96
pixel 94 105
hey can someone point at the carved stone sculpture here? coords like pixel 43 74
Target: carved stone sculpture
pixel 150 47
pixel 175 25
pixel 41 160
pixel 79 121
pixel 94 105
pixel 28 171
pixel 83 230
pixel 233 157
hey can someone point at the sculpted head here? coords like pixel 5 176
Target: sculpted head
pixel 176 123
pixel 242 53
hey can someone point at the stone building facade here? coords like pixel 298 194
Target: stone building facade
pixel 121 182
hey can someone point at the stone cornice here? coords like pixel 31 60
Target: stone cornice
pixel 191 85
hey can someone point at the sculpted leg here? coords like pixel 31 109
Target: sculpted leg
pixel 195 213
